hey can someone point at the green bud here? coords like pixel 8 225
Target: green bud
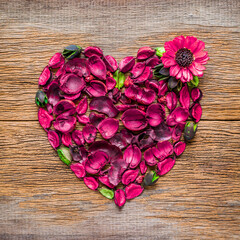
pixel 190 130
pixel 64 155
pixel 71 51
pixel 41 98
pixel 150 178
pixel 160 51
pixel 108 193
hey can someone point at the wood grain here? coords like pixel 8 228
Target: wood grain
pixel 41 199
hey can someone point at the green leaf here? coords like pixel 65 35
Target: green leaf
pixel 64 155
pixel 195 127
pixel 160 51
pixel 120 79
pixel 108 193
pixel 155 177
pixel 194 82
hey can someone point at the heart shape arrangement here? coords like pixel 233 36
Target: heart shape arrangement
pixel 153 94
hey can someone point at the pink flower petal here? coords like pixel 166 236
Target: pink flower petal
pixel 165 166
pixel 174 70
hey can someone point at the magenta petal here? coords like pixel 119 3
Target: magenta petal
pixel 115 175
pixel 152 84
pixel 97 67
pixel 139 179
pixel 78 138
pixel 127 135
pixel 132 91
pixel 133 190
pixel 196 94
pixel 171 101
pixel 82 106
pixel 105 180
pixel 177 132
pixel 108 127
pixel 104 105
pixel 65 124
pixel 152 62
pixel 71 83
pixel 44 118
pixel 92 50
pixel 145 53
pixel 126 64
pixel 54 139
pixel 78 169
pixel 129 176
pixel 163 88
pixel 178 115
pixel 53 93
pixel 149 157
pixel 45 76
pixel 84 119
pixel 165 166
pixel 56 61
pixel 89 133
pixel 138 69
pixel 78 66
pixel 95 118
pixel 72 97
pixel 64 106
pixel 155 114
pixel 165 149
pixel 96 162
pixel 179 148
pixel 119 197
pixel 132 156
pixel 91 182
pixel 124 107
pixel 144 139
pixel 162 132
pixel 96 89
pixel 184 97
pixel 119 141
pixel 196 112
pixel 66 139
pixel 134 119
pixel 111 63
pixel 110 83
pixel 147 96
pixel 144 76
pixel 143 167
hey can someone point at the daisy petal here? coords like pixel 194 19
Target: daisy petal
pixel 179 75
pixel 170 46
pixel 198 66
pixel 194 71
pixel 168 61
pixel 189 41
pixel 202 60
pixel 200 54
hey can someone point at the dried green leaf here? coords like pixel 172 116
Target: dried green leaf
pixel 194 82
pixel 120 79
pixel 64 155
pixel 108 193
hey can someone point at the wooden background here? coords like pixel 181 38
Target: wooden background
pixel 41 199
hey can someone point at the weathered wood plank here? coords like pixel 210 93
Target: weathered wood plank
pixel 200 196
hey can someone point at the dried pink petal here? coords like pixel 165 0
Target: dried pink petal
pixel 184 97
pixel 133 190
pixel 44 118
pixel 119 141
pixel 163 88
pixel 103 105
pixel 96 89
pixel 96 162
pixel 119 197
pixel 177 132
pixel 124 107
pixel 152 62
pixel 65 124
pixel 196 94
pixel 111 63
pixel 155 114
pixel 165 166
pixel 64 106
pixel 108 127
pixel 56 61
pixel 126 64
pixel 66 139
pixel 145 53
pixel 84 119
pixel 152 84
pixel 45 76
pixel 179 148
pixel 78 138
pixel 139 179
pixel 93 51
pixel 132 156
pixel 134 119
pixel 138 69
pixel 171 101
pixel 95 118
pixel 72 97
pixel 54 139
pixel 91 183
pixel 143 167
pixel 165 149
pixel 196 112
pixel 144 76
pixel 149 157
pixel 89 133
pixel 146 97
pixel 82 106
pixel 105 180
pixel 97 67
pixel 178 115
pixel 162 132
pixel 71 83
pixel 78 66
pixel 78 169
pixel 129 176
pixel 110 83
pixel 53 93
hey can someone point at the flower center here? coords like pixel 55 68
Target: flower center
pixel 184 57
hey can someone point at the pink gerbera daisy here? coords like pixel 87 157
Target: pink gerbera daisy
pixel 185 57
